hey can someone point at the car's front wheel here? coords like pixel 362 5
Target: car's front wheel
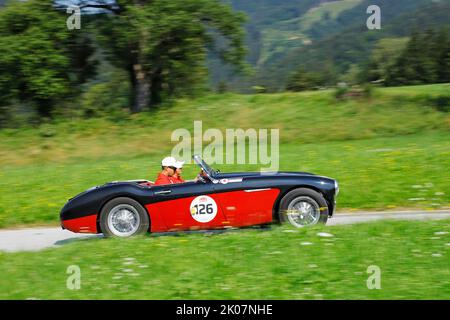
pixel 123 217
pixel 303 207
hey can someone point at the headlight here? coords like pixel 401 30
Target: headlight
pixel 336 188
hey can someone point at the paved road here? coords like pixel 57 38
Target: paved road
pixel 34 239
pixel 358 217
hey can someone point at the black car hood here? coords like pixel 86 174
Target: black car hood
pixel 257 174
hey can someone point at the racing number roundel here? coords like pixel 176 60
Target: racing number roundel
pixel 203 209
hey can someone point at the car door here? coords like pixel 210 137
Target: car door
pixel 187 206
pixel 244 203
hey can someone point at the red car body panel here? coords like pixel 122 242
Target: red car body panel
pixel 234 209
pixel 245 208
pixel 175 214
pixel 86 224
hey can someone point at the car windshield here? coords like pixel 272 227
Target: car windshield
pixel 205 167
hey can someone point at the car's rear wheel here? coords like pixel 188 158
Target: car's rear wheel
pixel 303 207
pixel 123 217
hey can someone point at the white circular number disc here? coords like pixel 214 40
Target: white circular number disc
pixel 203 209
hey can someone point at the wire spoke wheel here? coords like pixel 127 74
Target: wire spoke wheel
pixel 303 211
pixel 123 220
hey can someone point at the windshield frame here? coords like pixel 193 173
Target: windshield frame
pixel 210 172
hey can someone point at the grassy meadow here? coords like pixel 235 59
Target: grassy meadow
pixel 388 151
pixel 280 263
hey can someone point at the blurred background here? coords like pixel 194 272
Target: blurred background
pixel 83 105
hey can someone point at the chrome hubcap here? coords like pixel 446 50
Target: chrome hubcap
pixel 123 220
pixel 303 211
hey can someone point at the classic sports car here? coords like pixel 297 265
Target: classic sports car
pixel 214 201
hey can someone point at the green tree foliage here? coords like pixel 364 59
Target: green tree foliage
pixel 41 61
pixel 163 44
pixel 302 80
pixel 105 98
pixel 352 76
pixel 222 87
pixel 383 58
pixel 441 55
pixel 424 60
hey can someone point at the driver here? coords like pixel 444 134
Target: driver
pixel 202 176
pixel 168 165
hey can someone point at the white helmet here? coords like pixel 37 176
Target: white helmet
pixel 169 162
pixel 179 164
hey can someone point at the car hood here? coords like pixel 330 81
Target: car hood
pixel 257 174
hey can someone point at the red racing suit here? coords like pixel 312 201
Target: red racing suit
pixel 163 179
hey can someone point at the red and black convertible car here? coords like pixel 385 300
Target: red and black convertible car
pixel 214 201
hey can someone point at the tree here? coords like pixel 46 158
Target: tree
pixel 37 56
pixel 302 80
pixel 425 59
pixel 383 57
pixel 162 44
pixel 442 56
pixel 222 87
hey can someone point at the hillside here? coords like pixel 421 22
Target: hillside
pixel 387 151
pixel 334 120
pixel 319 35
pixel 354 45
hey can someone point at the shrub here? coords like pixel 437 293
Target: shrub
pixel 106 97
pixel 259 89
pixel 340 92
pixel 303 80
pixel 367 89
pixel 441 103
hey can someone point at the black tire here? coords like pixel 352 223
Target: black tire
pixel 311 196
pixel 143 221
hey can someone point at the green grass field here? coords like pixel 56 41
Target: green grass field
pixel 388 151
pixel 280 263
